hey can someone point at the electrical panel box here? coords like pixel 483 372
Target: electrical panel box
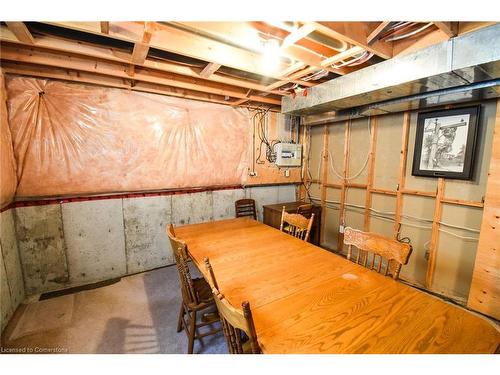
pixel 288 155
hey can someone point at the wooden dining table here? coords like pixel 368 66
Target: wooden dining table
pixel 305 299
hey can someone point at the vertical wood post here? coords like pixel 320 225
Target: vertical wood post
pixel 345 171
pixel 371 172
pixel 402 172
pixel 484 293
pixel 324 181
pixel 438 207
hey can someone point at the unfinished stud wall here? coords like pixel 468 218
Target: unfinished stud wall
pixel 363 179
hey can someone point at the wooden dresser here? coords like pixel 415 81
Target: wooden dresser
pixel 272 217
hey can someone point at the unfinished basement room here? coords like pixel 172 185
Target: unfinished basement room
pixel 265 186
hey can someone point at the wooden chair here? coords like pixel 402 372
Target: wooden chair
pixel 305 210
pixel 238 326
pixel 245 207
pixel 196 295
pixel 296 225
pixel 390 252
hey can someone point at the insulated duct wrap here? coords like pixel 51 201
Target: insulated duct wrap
pixel 72 139
pixel 8 179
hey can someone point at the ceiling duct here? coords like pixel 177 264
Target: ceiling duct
pixel 458 62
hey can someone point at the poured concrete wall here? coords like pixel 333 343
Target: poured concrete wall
pixel 64 245
pixel 455 256
pixel 11 277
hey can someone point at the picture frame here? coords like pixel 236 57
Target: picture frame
pixel 445 143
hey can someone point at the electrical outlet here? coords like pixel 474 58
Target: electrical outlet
pixel 341 229
pixel 252 174
pixel 287 173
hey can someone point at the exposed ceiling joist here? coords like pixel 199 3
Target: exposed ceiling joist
pixel 75 48
pixel 27 56
pixel 342 56
pixel 355 33
pixel 292 68
pixel 210 69
pixel 449 28
pixel 105 27
pixel 379 30
pixel 89 78
pixel 141 48
pixel 21 32
pixel 298 34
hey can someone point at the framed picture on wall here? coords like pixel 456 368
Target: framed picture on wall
pixel 445 143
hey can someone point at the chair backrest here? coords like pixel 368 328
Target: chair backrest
pixel 391 253
pixel 179 249
pixel 212 281
pixel 296 225
pixel 234 321
pixel 245 207
pixel 305 210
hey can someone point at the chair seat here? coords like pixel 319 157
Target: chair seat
pixel 203 290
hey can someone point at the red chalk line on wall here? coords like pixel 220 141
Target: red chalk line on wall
pixel 59 200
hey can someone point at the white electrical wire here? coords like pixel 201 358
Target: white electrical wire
pixel 330 159
pixel 461 237
pixel 380 215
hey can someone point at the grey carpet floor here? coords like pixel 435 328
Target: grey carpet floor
pixel 138 314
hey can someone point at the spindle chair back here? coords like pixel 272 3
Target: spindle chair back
pixel 296 225
pixel 376 252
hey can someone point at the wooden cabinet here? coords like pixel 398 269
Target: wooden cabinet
pixel 272 217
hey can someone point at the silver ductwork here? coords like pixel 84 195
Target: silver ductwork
pixel 411 81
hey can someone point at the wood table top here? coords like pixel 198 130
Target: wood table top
pixel 305 299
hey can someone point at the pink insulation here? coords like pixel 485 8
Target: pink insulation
pixel 72 139
pixel 8 180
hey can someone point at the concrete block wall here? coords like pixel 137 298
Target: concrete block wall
pixel 11 278
pixel 65 245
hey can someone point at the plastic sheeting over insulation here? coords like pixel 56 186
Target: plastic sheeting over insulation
pixel 8 180
pixel 81 139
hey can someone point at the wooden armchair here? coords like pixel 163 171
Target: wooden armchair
pixel 238 326
pixel 196 295
pixel 296 225
pixel 245 207
pixel 391 253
